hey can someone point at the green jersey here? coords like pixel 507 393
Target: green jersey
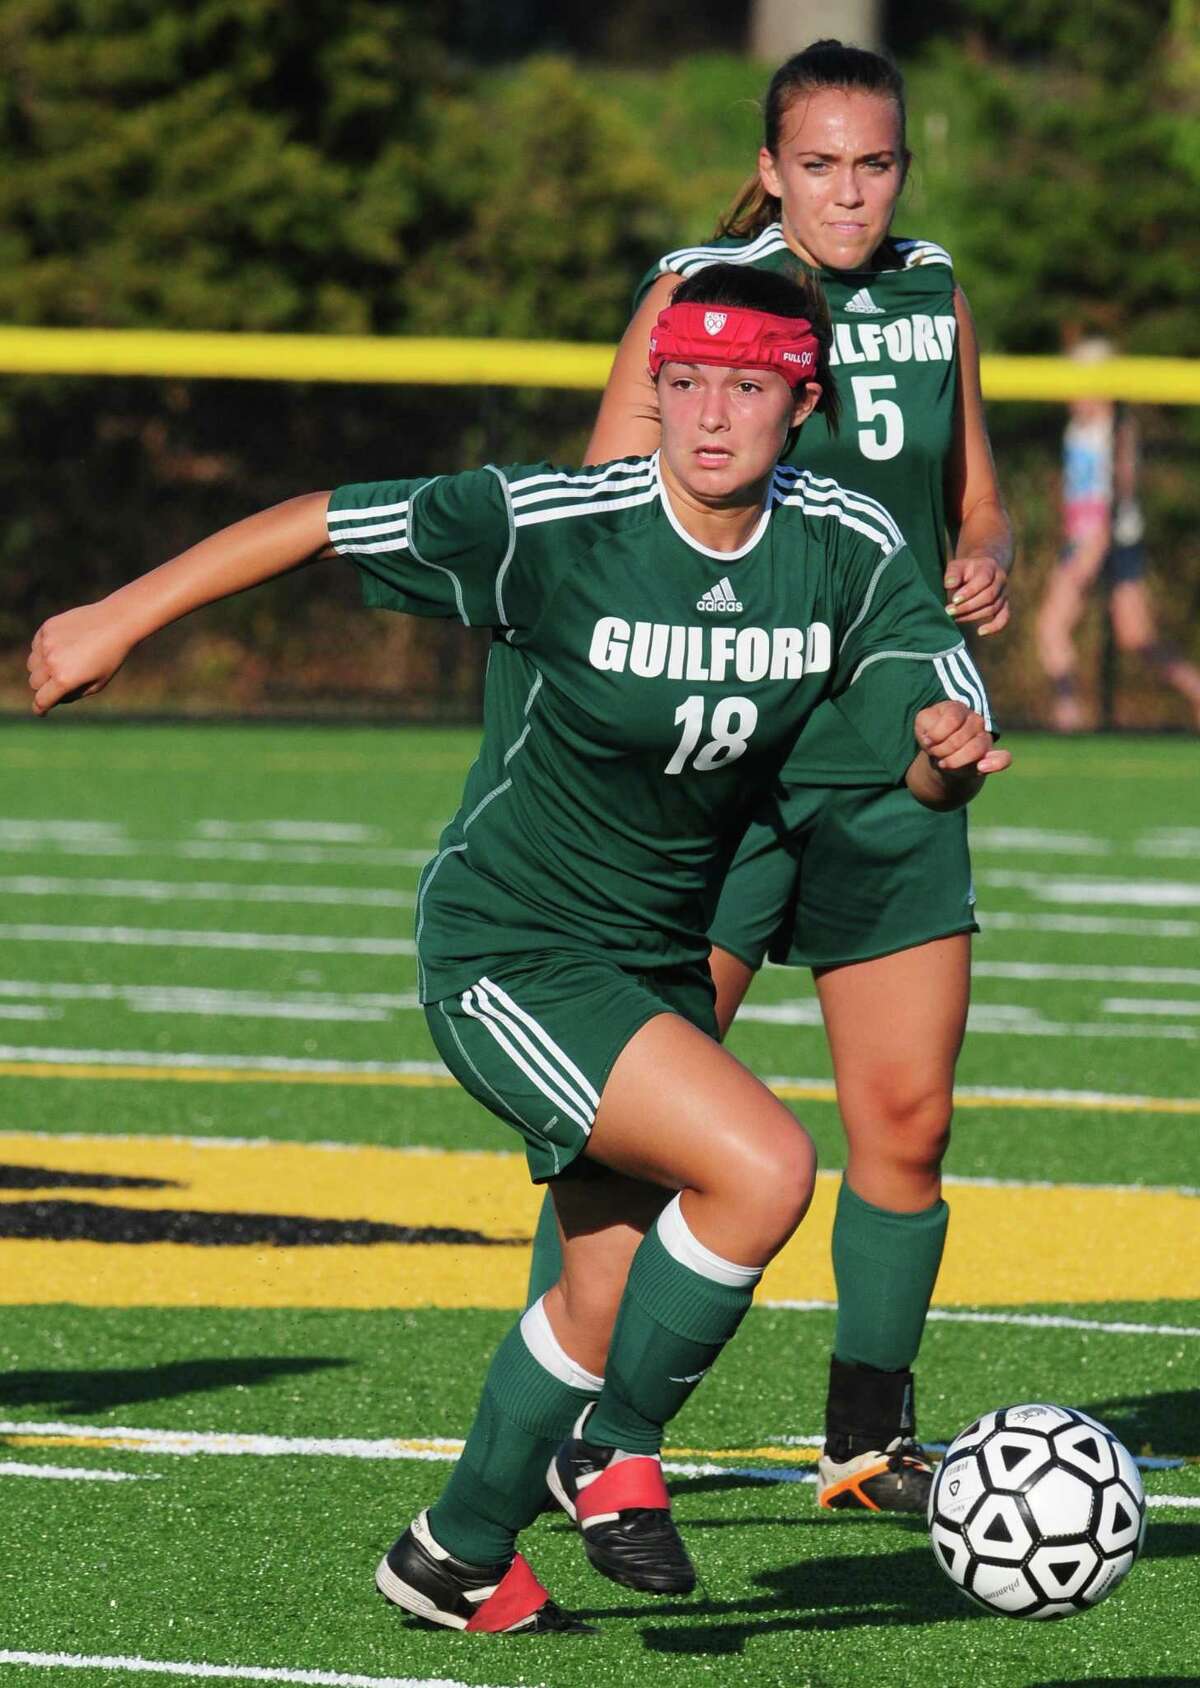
pixel 895 364
pixel 642 689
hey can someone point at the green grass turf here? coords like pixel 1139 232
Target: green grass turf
pixel 267 1561
pixel 789 1595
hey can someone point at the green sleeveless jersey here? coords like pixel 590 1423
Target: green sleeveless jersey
pixel 642 690
pixel 895 364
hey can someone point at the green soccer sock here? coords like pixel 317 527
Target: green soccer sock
pixel 533 1394
pixel 682 1303
pixel 885 1265
pixel 546 1263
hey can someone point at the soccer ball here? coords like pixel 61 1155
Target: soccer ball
pixel 1037 1512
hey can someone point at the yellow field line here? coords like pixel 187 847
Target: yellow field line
pixel 443 1081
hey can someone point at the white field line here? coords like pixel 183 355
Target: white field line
pixel 1150 1005
pixel 196 1444
pixel 248 1063
pixel 215 850
pixel 1088 925
pixel 295 832
pixel 974 1095
pixel 1003 1019
pixel 155 937
pixel 28 1011
pixel 1039 840
pixel 201 891
pixel 1171 841
pixel 69 1473
pixel 439 1450
pixel 225 1673
pixel 356 1006
pixel 1026 1321
pixel 1080 888
pixel 1085 973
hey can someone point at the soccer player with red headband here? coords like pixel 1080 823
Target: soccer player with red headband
pixel 662 628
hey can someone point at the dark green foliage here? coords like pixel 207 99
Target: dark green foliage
pixel 378 166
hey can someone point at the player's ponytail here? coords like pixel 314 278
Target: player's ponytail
pixel 824 64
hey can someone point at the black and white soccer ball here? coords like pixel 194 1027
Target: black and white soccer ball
pixel 1037 1512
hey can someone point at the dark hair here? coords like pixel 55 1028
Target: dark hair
pixel 766 290
pixel 824 64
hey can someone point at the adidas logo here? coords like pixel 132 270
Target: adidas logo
pixel 719 599
pixel 863 304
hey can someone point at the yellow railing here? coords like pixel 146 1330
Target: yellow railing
pixel 499 363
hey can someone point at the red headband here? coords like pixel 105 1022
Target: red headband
pixel 735 337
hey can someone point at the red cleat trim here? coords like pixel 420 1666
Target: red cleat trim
pixel 517 1595
pixel 629 1483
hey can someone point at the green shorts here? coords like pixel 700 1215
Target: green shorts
pixel 840 874
pixel 535 1041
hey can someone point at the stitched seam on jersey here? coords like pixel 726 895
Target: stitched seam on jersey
pixel 477 1011
pixel 823 486
pixel 507 1106
pixel 905 656
pixel 870 593
pixel 424 561
pixel 512 544
pixel 426 881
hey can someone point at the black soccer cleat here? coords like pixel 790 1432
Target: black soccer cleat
pixel 624 1515
pixel 871 1461
pixel 504 1599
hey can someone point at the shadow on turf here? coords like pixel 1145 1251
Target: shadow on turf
pixel 844 1592
pixel 839 1592
pixel 1153 1424
pixel 88 1392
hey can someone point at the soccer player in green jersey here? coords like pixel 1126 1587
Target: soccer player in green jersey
pixel 851 877
pixel 662 629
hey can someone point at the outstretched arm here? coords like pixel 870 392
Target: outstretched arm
pixel 77 653
pixel 956 753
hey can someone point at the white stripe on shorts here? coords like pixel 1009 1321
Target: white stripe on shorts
pixel 559 1054
pixel 500 1027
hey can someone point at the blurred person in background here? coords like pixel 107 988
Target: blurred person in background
pixel 850 877
pixel 1103 531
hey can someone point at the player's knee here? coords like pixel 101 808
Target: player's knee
pixel 908 1122
pixel 771 1177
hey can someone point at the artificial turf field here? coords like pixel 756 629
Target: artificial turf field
pixel 255 1251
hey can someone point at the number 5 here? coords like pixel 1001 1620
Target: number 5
pixel 871 409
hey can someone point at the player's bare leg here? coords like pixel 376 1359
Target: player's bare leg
pixel 743 1168
pixel 895 1027
pixel 732 977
